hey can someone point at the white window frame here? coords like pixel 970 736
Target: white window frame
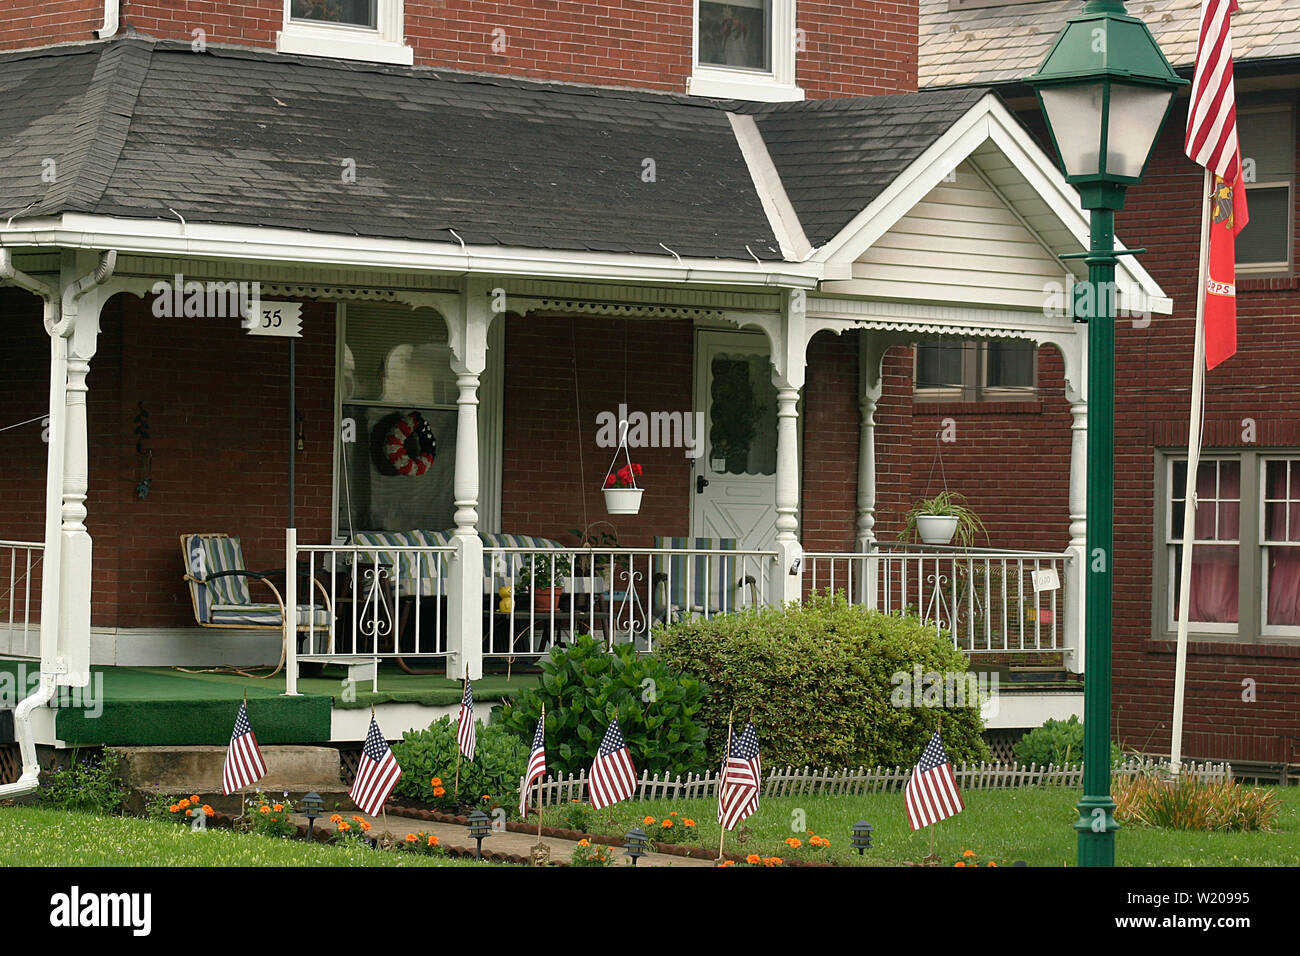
pixel 768 86
pixel 1173 538
pixel 1266 629
pixel 383 44
pixel 1281 266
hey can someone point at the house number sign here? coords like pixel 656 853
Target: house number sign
pixel 277 318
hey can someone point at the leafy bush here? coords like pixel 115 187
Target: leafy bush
pixel 585 854
pixel 1188 803
pixel 584 687
pixel 88 785
pixel 500 760
pixel 1058 742
pixel 272 818
pixel 177 809
pixel 818 678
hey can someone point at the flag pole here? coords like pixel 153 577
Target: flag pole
pixel 722 782
pixel 1189 489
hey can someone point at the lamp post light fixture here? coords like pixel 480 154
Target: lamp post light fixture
pixel 637 844
pixel 1106 90
pixel 862 836
pixel 311 806
pixel 480 825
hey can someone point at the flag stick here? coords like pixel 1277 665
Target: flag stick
pixel 1189 489
pixel 931 828
pixel 726 760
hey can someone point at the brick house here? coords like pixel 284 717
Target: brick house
pixel 514 219
pixel 1243 684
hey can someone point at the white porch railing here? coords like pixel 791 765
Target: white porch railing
pixel 986 600
pixel 20 629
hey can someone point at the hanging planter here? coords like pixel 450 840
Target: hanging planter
pixel 622 496
pixel 936 529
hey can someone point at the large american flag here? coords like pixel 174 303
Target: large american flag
pixel 377 773
pixel 931 791
pixel 741 779
pixel 466 733
pixel 1212 113
pixel 612 777
pixel 536 764
pixel 244 764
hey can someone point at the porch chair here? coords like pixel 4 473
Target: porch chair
pixel 705 584
pixel 219 593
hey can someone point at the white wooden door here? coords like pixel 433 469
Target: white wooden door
pixel 733 487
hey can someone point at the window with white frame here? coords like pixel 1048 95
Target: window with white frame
pixel 745 49
pixel 1268 146
pixel 1245 582
pixel 954 370
pixel 348 29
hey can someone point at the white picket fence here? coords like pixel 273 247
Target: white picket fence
pixel 793 781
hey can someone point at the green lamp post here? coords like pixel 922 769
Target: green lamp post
pixel 1106 90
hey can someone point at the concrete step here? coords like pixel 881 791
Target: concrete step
pixel 197 770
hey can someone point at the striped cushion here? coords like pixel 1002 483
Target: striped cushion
pixel 267 615
pixel 206 555
pixel 698 582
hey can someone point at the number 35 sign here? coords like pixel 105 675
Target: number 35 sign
pixel 276 318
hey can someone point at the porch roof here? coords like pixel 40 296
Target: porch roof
pixel 142 129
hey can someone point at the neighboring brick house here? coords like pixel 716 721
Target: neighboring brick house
pixel 1243 684
pixel 514 240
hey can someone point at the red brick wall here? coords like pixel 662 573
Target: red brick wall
pixel 849 48
pixel 830 443
pixel 552 464
pixel 30 23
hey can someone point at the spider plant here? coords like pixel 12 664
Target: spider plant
pixel 946 503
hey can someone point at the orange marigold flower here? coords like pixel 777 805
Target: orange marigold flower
pixel 667 824
pixel 194 799
pixel 410 838
pixel 174 808
pixel 968 853
pixel 438 791
pixel 433 841
pixel 959 863
pixel 487 796
pixel 208 811
pixel 991 863
pixel 584 843
pixel 189 813
pixel 753 858
pixel 182 803
pixel 336 819
pixel 672 813
pixel 365 827
pixel 344 827
pixel 649 820
pixel 688 822
pixel 265 809
pixel 278 808
pixel 358 819
pixel 772 861
pixel 436 782
pixel 794 843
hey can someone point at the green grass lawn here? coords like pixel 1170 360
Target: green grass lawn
pixel 33 837
pixel 1031 824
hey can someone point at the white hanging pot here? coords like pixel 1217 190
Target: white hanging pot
pixel 936 529
pixel 623 501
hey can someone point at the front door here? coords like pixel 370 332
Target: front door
pixel 733 490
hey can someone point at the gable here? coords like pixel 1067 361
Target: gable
pixel 962 243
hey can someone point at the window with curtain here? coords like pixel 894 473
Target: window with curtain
pixel 1280 542
pixel 395 363
pixel 997 370
pixel 354 12
pixel 737 33
pixel 1216 553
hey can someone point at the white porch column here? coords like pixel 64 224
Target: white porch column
pixel 1076 393
pixel 789 360
pixel 468 335
pixel 871 351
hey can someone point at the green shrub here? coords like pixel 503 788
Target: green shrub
pixel 270 817
pixel 584 686
pixel 818 678
pixel 500 760
pixel 1058 742
pixel 1187 803
pixel 89 785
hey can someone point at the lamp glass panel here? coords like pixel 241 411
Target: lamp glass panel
pixel 1074 115
pixel 1135 116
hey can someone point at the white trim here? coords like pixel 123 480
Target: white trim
pixel 381 44
pixel 777 85
pixel 987 121
pixel 780 211
pixel 269 244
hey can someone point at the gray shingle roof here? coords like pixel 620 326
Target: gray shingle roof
pixel 835 156
pixel 140 128
pixel 1007 42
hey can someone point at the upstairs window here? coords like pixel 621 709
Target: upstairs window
pixel 745 49
pixel 372 30
pixel 1267 136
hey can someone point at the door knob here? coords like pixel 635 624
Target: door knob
pixel 700 484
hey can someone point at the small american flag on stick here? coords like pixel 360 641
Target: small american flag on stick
pixel 466 733
pixel 377 772
pixel 536 764
pixel 244 764
pixel 612 777
pixel 741 780
pixel 931 791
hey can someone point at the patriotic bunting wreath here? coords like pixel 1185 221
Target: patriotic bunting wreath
pixel 404 445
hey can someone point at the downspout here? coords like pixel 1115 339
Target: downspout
pixel 58 314
pixel 111 10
